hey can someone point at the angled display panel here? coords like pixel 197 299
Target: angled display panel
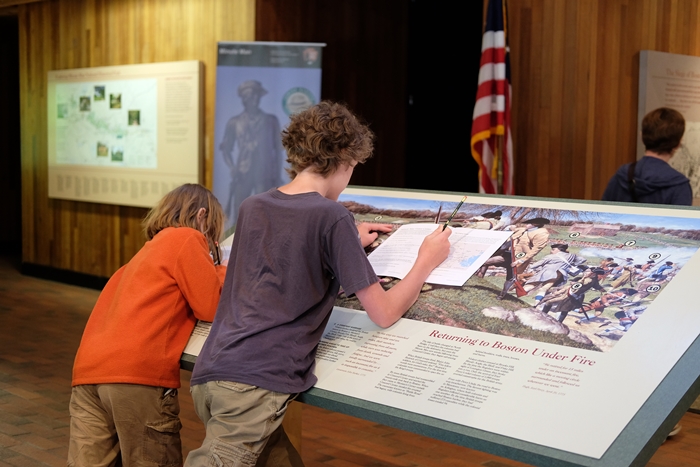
pixel 561 360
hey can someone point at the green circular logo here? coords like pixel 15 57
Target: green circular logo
pixel 297 99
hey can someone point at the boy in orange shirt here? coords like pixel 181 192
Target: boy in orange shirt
pixel 124 406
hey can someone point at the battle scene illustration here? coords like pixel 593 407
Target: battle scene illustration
pixel 575 278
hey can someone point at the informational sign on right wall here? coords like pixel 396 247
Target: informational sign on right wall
pixel 673 80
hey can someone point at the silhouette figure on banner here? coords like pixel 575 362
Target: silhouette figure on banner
pixel 252 148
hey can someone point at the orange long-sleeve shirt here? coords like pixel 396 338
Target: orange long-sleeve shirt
pixel 146 312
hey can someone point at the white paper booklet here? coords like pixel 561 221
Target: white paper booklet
pixel 469 249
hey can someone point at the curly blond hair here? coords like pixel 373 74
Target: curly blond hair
pixel 179 208
pixel 325 137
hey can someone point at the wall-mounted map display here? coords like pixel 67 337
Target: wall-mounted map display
pixel 101 124
pixel 124 135
pixel 557 338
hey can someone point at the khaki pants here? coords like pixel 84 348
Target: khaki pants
pixel 125 425
pixel 244 427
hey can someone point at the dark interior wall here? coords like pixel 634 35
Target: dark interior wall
pixel 378 54
pixel 444 52
pixel 364 65
pixel 10 186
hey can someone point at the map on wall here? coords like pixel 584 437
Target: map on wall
pixel 124 135
pixel 111 123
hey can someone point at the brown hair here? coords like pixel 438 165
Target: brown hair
pixel 662 130
pixel 325 137
pixel 179 209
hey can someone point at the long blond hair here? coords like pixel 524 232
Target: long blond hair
pixel 179 208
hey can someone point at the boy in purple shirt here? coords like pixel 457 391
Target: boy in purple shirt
pixel 294 247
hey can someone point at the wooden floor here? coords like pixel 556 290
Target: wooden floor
pixel 40 327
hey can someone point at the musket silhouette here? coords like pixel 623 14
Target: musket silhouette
pixel 519 289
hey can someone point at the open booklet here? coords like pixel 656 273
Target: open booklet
pixel 469 249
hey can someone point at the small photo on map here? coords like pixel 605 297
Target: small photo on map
pixel 115 101
pixel 84 103
pixel 99 93
pixel 117 154
pixel 62 110
pixel 102 150
pixel 134 117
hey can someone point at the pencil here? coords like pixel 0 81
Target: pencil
pixel 444 226
pixel 216 253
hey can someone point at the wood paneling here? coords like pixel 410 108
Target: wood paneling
pixel 575 73
pixel 574 70
pixel 11 3
pixel 94 238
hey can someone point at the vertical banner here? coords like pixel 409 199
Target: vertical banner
pixel 258 86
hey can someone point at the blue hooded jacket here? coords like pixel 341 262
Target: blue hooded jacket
pixel 655 182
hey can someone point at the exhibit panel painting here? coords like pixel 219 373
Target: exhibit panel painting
pixel 575 318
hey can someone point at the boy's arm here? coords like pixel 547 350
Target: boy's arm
pixel 385 307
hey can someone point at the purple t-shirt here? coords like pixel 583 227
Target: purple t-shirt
pixel 290 255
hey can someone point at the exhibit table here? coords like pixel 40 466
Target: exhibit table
pixel 552 375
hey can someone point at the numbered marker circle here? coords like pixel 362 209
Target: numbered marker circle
pixel 378 218
pixel 655 256
pixel 520 255
pixel 653 288
pixel 631 243
pixel 576 286
pixel 575 234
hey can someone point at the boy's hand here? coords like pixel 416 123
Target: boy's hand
pixel 435 247
pixel 369 231
pixel 384 307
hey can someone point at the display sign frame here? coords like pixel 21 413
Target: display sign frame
pixel 125 135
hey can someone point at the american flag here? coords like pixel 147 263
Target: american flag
pixel 491 142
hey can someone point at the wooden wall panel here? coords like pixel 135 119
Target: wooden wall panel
pixel 86 237
pixel 575 69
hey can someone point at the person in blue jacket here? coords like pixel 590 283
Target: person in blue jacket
pixel 651 179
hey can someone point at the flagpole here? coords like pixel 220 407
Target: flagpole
pixel 499 160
